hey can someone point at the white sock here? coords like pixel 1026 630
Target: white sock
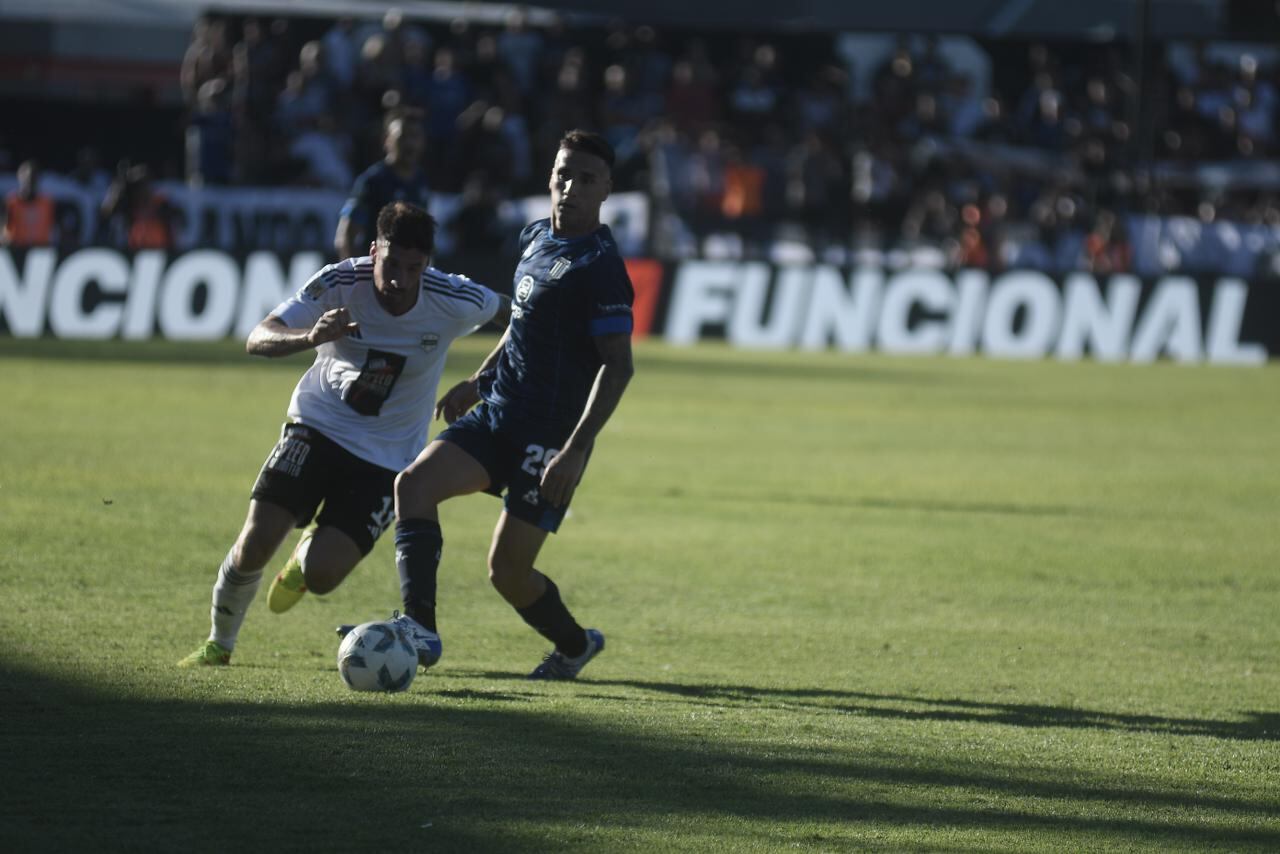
pixel 232 595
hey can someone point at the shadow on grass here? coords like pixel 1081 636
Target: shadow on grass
pixel 97 770
pixel 1256 725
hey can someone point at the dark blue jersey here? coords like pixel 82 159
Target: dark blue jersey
pixel 379 186
pixel 566 293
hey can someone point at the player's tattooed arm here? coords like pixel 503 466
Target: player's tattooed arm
pixel 273 338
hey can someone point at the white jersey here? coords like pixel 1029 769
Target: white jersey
pixel 373 392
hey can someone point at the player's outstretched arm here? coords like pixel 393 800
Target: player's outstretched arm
pixel 560 477
pixel 273 338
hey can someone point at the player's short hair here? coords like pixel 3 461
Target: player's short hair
pixel 590 142
pixel 408 226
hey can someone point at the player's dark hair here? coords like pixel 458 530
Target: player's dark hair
pixel 591 143
pixel 407 226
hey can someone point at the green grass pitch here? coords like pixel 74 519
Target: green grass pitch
pixel 853 603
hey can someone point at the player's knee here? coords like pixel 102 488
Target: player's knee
pixel 405 483
pixel 413 487
pixel 319 581
pixel 505 572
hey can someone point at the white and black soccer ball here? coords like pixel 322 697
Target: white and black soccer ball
pixel 377 657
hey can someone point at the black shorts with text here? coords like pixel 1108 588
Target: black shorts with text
pixel 307 469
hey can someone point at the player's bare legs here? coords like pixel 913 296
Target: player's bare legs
pixel 515 546
pixel 265 528
pixel 320 561
pixel 327 558
pixel 536 598
pixel 442 471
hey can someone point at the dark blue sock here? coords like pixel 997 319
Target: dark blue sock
pixel 418 546
pixel 550 618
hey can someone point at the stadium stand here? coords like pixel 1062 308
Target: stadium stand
pixel 968 150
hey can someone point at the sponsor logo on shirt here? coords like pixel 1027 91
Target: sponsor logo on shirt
pixel 524 289
pixel 429 341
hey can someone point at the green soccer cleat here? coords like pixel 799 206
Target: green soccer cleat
pixel 210 653
pixel 289 585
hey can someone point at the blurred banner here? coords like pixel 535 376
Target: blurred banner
pixel 102 293
pixel 291 219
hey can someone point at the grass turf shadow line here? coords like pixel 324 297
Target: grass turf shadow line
pixel 89 764
pixel 1257 726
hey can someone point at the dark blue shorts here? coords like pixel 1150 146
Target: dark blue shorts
pixel 514 457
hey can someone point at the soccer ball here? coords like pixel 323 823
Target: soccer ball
pixel 377 657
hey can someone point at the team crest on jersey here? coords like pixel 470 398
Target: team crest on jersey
pixel 429 341
pixel 558 268
pixel 524 289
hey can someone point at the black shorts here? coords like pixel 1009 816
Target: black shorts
pixel 306 468
pixel 514 457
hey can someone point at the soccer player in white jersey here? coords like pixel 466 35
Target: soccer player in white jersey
pixel 380 325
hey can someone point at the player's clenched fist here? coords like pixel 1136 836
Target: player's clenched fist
pixel 332 325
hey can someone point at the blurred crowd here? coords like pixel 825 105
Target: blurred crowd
pixel 744 143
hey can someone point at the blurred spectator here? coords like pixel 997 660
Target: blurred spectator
pixel 378 72
pixel 566 103
pixel 477 227
pixel 210 136
pixel 706 169
pixel 964 110
pixel 624 112
pixel 692 101
pixel 448 95
pixel 307 118
pixel 28 213
pixel 208 56
pixel 1107 249
pixel 258 70
pixel 755 97
pixel 257 75
pixel 140 215
pixel 521 49
pixel 484 146
pixel 818 188
pixel 398 176
pixel 340 52
pixel 88 172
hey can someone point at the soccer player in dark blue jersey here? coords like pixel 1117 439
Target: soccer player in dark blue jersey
pixel 397 177
pixel 540 399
